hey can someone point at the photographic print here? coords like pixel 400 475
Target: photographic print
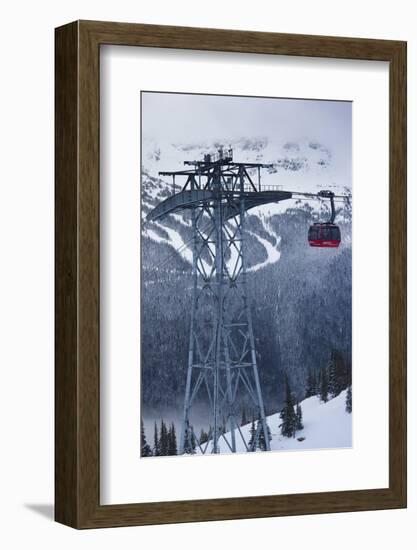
pixel 246 274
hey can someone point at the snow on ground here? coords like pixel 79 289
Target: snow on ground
pixel 177 242
pixel 155 237
pixel 273 254
pixel 326 425
pixel 180 219
pixel 184 249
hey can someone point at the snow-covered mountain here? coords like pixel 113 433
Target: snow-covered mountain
pixel 326 426
pixel 304 166
pixel 300 296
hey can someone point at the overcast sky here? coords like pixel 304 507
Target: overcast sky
pixel 191 118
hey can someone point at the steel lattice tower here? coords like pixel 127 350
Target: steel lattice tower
pixel 221 357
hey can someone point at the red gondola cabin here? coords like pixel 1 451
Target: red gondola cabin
pixel 324 235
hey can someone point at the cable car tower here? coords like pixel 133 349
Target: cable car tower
pixel 221 355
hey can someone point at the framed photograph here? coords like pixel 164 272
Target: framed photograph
pixel 230 274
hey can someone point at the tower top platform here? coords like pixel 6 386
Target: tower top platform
pixel 217 180
pixel 233 201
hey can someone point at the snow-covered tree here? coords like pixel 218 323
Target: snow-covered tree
pixel 252 433
pixel 299 417
pixel 261 438
pixel 349 399
pixel 163 439
pixel 318 383
pixel 337 374
pixel 244 419
pixel 156 451
pixel 324 386
pixel 311 384
pixel 287 415
pixel 145 449
pixel 172 440
pixel 193 440
pixel 203 436
pixel 189 440
pixel 224 425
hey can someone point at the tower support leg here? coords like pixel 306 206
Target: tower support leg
pixel 185 427
pixel 221 356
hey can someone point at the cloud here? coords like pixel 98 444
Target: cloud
pixel 192 117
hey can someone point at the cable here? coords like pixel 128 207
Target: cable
pixel 185 244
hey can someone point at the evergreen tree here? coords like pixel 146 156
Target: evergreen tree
pixel 349 399
pixel 244 420
pixel 337 374
pixel 299 418
pixel 189 440
pixel 348 367
pixel 331 377
pixel 311 383
pixel 163 439
pixel 156 445
pixel 252 432
pixel 145 449
pixel 342 371
pixel 261 438
pixel 203 436
pixel 318 383
pixel 172 440
pixel 224 425
pixel 324 386
pixel 287 415
pixel 193 441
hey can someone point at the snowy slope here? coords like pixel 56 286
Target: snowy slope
pixel 326 425
pixel 303 166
